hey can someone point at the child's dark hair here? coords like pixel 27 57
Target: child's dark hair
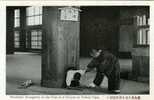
pixel 76 80
pixel 77 76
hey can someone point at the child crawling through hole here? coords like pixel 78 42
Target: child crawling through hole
pixel 76 80
pixel 73 77
pixel 106 64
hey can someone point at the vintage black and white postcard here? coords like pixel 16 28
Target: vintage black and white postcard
pixel 77 51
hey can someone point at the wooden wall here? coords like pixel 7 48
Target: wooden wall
pixel 99 28
pixel 126 32
pixel 141 63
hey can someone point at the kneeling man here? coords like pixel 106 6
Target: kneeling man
pixel 106 64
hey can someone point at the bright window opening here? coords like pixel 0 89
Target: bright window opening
pixel 16 39
pixel 36 39
pixel 16 18
pixel 34 16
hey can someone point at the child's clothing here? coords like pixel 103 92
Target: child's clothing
pixel 106 64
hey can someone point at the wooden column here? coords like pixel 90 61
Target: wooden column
pixel 9 30
pixel 60 47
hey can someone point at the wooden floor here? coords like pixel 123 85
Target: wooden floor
pixel 21 67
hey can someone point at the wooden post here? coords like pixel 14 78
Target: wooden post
pixel 60 47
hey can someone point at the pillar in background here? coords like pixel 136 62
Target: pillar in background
pixel 60 47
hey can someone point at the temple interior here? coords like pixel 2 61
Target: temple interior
pixel 42 41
